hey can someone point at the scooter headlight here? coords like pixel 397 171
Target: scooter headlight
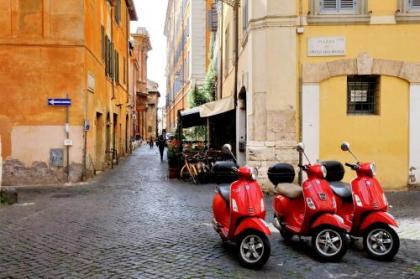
pixel 254 173
pixel 372 169
pixel 324 171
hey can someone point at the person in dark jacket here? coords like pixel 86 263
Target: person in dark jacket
pixel 161 143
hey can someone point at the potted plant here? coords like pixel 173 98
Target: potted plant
pixel 174 149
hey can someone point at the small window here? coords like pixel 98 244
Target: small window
pixel 362 94
pixel 338 5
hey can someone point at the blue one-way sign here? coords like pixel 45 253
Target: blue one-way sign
pixel 59 102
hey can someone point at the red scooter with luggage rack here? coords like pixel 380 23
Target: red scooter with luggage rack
pixel 309 210
pixel 239 214
pixel 364 207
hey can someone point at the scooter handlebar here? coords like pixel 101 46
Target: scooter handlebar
pixel 352 166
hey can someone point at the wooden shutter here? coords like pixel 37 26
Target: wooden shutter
pixel 102 43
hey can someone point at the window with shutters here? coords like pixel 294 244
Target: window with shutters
pixel 118 11
pixel 103 43
pixel 338 6
pixel 408 11
pixel 414 4
pixel 338 11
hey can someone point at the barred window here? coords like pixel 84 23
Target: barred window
pixel 362 94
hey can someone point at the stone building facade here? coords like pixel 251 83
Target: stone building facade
pixel 323 74
pixel 188 39
pixel 56 49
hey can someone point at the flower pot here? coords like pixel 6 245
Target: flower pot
pixel 173 172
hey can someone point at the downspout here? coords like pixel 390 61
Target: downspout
pixel 221 53
pixel 127 74
pixel 300 87
pixel 235 86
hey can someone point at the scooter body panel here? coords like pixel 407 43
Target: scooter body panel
pixel 221 211
pixel 330 220
pixel 251 223
pixel 246 200
pixel 377 217
pixel 283 206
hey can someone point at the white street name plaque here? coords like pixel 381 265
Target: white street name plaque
pixel 327 46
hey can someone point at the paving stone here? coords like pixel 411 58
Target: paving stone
pixel 131 222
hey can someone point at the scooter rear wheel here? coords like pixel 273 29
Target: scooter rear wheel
pixel 329 244
pixel 254 249
pixel 381 242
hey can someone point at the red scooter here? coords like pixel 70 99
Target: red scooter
pixel 309 210
pixel 239 214
pixel 364 207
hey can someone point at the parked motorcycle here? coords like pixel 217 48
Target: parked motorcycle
pixel 363 206
pixel 239 213
pixel 309 210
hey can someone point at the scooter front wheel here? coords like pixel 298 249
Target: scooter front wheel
pixel 381 242
pixel 329 244
pixel 254 249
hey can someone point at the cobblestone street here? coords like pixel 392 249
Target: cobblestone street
pixel 132 222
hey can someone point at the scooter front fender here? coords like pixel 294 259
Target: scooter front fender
pixel 378 217
pixel 252 223
pixel 330 220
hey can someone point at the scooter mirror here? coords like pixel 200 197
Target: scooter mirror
pixel 227 148
pixel 345 146
pixel 300 147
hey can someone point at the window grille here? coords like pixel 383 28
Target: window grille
pixel 362 94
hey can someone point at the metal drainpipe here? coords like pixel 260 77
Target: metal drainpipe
pixel 300 89
pixel 221 53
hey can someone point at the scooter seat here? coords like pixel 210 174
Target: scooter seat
pixel 290 190
pixel 224 191
pixel 341 189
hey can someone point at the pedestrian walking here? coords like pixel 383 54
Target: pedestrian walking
pixel 151 142
pixel 161 143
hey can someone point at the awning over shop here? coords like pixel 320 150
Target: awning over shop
pixel 197 116
pixel 217 107
pixel 191 118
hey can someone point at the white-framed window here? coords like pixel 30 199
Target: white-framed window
pixel 338 6
pixel 414 5
pixel 408 11
pixel 338 12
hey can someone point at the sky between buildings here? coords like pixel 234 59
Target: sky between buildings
pixel 152 14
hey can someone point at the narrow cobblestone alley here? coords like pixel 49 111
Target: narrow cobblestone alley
pixel 132 222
